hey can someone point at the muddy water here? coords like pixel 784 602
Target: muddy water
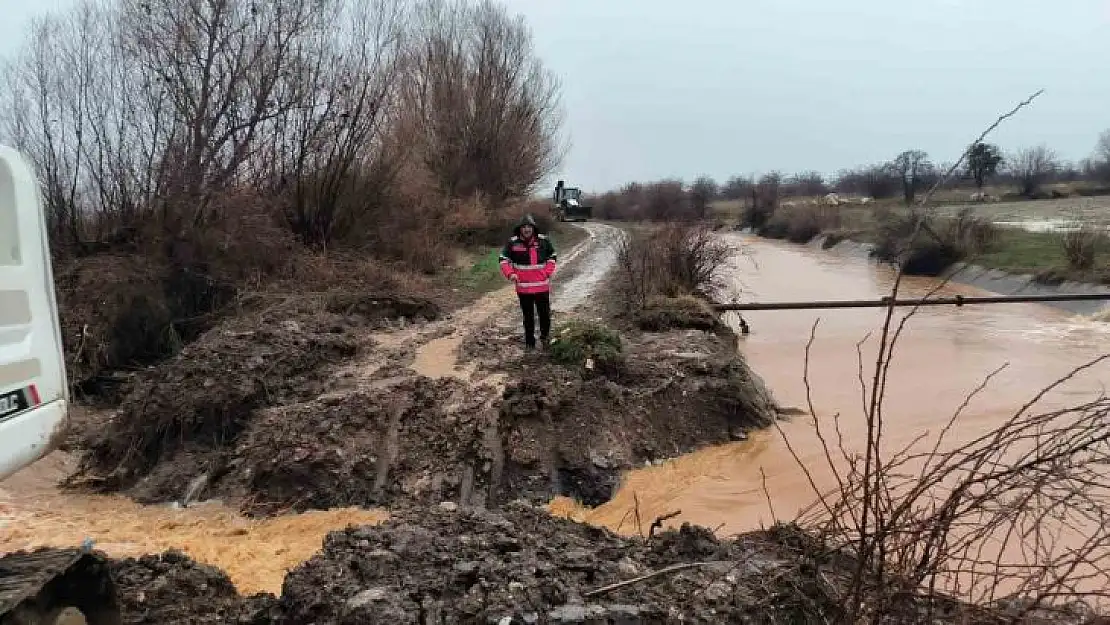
pixel 943 355
pixel 255 554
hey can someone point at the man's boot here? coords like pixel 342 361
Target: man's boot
pixel 546 342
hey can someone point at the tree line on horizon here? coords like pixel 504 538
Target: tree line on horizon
pixel 1026 171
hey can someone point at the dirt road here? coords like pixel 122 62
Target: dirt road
pixel 257 553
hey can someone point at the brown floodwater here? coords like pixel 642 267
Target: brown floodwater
pixel 944 353
pixel 256 554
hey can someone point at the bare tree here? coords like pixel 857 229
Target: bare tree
pixel 1102 148
pixel 1031 167
pixel 1100 162
pixel 877 181
pixel 764 201
pixel 486 110
pixel 667 200
pixel 702 193
pixel 224 64
pixel 333 155
pixel 807 184
pixel 737 187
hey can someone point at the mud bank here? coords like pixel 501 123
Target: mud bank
pixel 322 408
pixel 535 430
pixel 516 566
pixel 992 280
pixel 575 434
pixel 171 588
pixel 177 419
pixel 519 565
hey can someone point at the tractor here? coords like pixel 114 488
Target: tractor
pixel 569 205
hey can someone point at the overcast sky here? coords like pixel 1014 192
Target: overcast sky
pixel 666 88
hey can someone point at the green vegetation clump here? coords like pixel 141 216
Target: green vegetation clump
pixel 485 274
pixel 588 345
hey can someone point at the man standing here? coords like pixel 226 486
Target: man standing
pixel 528 260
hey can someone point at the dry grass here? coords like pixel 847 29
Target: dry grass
pixel 1083 245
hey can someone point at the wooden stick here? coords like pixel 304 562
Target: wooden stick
pixel 658 522
pixel 636 580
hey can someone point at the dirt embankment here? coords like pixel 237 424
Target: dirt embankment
pixel 311 408
pixel 573 432
pixel 515 566
pixel 447 421
pixel 519 565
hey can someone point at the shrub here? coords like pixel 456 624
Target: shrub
pixel 800 224
pixel 1082 245
pixel 671 261
pixel 970 234
pixel 588 345
pixel 928 253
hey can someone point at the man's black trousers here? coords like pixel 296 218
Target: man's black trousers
pixel 529 305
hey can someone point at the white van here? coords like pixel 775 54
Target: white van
pixel 33 390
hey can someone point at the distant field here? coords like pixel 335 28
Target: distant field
pixel 1087 209
pixel 1095 210
pixel 1028 243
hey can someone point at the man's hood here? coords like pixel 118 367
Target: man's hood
pixel 526 220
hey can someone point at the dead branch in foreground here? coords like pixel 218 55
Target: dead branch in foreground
pixel 1001 528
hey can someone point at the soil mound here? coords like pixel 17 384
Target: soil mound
pixel 422 441
pixel 171 588
pixel 418 440
pixel 178 414
pixel 571 432
pixel 521 566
